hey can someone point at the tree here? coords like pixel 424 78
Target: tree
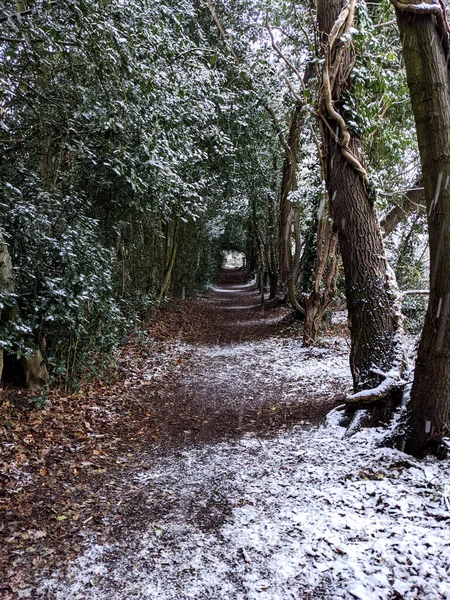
pixel 287 211
pixel 425 41
pixel 115 149
pixel 377 357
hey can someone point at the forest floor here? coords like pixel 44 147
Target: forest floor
pixel 201 469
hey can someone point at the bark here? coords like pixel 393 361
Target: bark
pixel 426 58
pixel 171 250
pixel 295 267
pixel 370 299
pixel 272 237
pixel 288 185
pixel 325 273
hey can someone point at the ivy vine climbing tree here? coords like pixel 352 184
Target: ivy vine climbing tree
pixel 377 357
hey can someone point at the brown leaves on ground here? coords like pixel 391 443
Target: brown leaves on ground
pixel 60 462
pixel 64 466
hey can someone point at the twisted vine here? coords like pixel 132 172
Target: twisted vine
pixel 340 28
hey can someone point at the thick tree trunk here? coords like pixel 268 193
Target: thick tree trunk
pixel 370 301
pixel 426 63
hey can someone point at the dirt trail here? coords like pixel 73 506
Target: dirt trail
pixel 210 372
pixel 243 375
pixel 200 474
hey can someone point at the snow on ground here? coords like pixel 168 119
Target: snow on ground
pixel 246 372
pixel 306 514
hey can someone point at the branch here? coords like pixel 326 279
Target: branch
pixel 236 60
pixel 385 24
pixel 411 200
pixel 392 380
pixel 278 127
pixel 221 31
pixel 312 47
pixel 416 293
pixel 282 56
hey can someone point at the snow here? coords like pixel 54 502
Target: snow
pixel 248 371
pixel 304 514
pixel 235 289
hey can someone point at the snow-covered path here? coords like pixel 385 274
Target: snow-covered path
pixel 302 515
pixel 292 512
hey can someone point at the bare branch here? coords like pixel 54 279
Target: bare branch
pixel 282 55
pixel 411 200
pixel 221 31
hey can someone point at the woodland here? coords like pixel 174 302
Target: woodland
pixel 141 142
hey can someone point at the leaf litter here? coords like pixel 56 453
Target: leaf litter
pixel 223 485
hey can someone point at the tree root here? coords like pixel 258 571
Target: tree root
pixel 392 381
pixel 357 422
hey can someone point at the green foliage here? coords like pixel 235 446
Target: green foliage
pixel 128 134
pixel 113 124
pixel 379 109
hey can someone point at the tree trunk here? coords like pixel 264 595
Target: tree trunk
pixel 295 267
pixel 325 273
pixel 171 250
pixel 288 185
pixel 34 372
pixel 425 50
pixel 272 237
pixel 376 350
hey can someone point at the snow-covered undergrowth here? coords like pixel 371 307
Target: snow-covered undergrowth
pixel 302 515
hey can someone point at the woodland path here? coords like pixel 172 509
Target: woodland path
pixel 248 372
pixel 200 473
pixel 207 370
